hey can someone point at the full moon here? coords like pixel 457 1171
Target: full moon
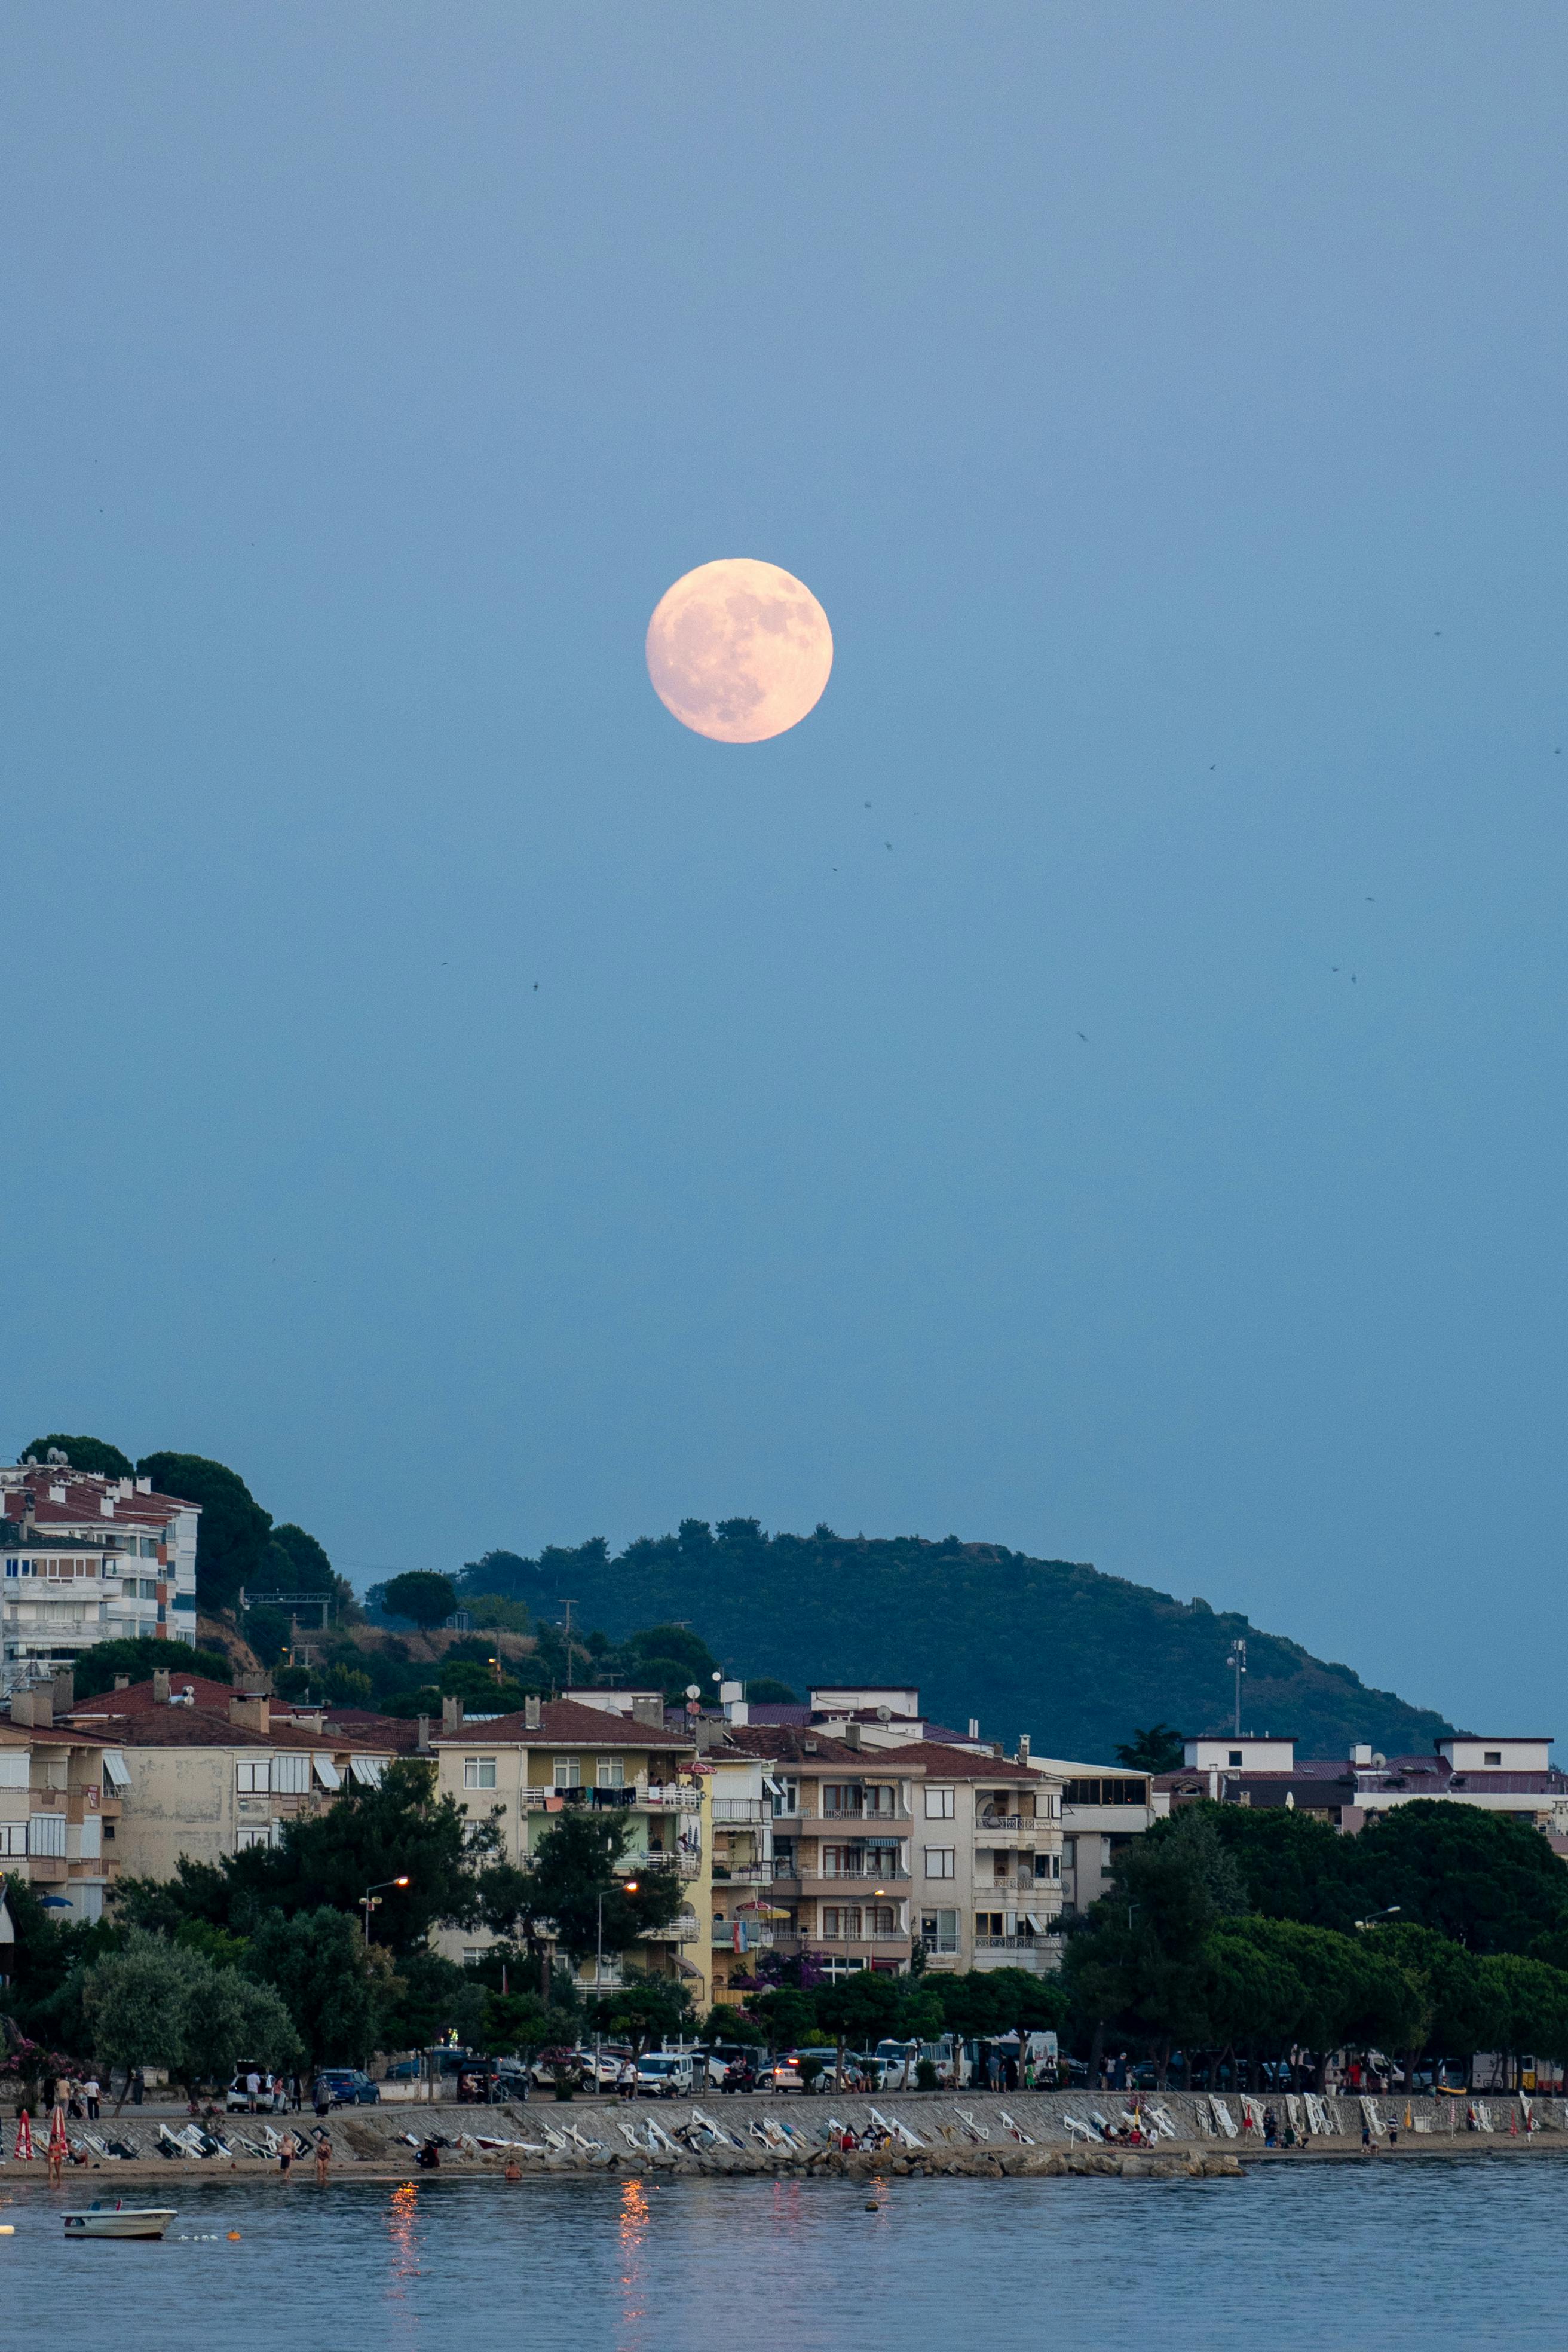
pixel 739 650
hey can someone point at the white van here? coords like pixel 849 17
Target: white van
pixel 666 2076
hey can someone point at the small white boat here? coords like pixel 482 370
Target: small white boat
pixel 118 2221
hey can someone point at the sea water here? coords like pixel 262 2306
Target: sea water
pixel 1388 2253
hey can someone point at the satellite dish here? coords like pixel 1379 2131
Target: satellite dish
pixel 884 1714
pixel 693 1691
pixel 1378 1758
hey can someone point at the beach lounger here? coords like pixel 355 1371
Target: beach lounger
pixel 1016 2130
pixel 1164 2123
pixel 1317 2115
pixel 1076 2130
pixel 975 2131
pixel 907 2138
pixel 1222 2115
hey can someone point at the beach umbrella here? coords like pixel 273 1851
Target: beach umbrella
pixel 57 2134
pixel 24 2149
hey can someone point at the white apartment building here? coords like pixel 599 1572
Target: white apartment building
pixel 88 1559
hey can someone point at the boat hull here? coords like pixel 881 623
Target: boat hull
pixel 144 2222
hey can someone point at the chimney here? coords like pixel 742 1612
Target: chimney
pixel 22 1706
pixel 424 1735
pixel 65 1689
pixel 975 1726
pixel 251 1713
pixel 451 1714
pixel 160 1687
pixel 122 1682
pixel 533 1717
pixel 851 1735
pixel 42 1699
pixel 649 1711
pixel 1023 1748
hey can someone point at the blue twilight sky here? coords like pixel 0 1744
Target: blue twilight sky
pixel 484 1113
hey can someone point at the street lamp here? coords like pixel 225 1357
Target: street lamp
pixel 371 1899
pixel 628 1886
pixel 1377 1916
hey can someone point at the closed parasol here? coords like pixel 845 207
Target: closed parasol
pixel 57 2135
pixel 24 2149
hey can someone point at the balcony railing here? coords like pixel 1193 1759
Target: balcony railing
pixel 745 1873
pixel 683 1930
pixel 865 1814
pixel 861 1874
pixel 1009 1943
pixel 1011 1823
pixel 1023 1883
pixel 742 1809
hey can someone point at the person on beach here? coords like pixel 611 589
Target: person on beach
pixel 323 2159
pixel 626 2081
pixel 286 2155
pixel 91 2094
pixel 323 2098
pixel 252 2090
pixel 1367 2147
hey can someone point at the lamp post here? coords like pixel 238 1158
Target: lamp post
pixel 1377 1916
pixel 369 1900
pixel 630 1886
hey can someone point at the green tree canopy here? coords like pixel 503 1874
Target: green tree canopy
pixel 233 1532
pixel 1158 1749
pixel 318 1963
pixel 570 1886
pixel 91 1454
pixel 643 2009
pixel 420 1595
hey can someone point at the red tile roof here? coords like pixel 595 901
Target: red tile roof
pixel 201 1727
pixel 136 1698
pixel 790 1743
pixel 939 1763
pixel 563 1722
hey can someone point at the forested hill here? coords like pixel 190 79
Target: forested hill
pixel 1050 1647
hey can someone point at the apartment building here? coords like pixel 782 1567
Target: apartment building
pixel 89 1560
pixel 741 1813
pixel 60 1807
pixel 987 1857
pixel 842 1820
pixel 1103 1808
pixel 1498 1773
pixel 526 1769
pixel 203 1771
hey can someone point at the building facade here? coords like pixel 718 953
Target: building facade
pixel 987 1858
pixel 60 1807
pixel 523 1771
pixel 1103 1808
pixel 88 1559
pixel 202 1772
pixel 842 1822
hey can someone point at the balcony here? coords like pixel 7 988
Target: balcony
pixel 686 1929
pixel 867 1816
pixel 794 1940
pixel 745 1873
pixel 666 1797
pixel 1023 1883
pixel 740 1810
pixel 1009 1943
pixel 988 1827
pixel 722 1934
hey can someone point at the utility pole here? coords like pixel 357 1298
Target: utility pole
pixel 568 1606
pixel 1237 1660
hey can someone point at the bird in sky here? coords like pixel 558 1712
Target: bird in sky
pixel 887 844
pixel 1085 1039
pixel 536 988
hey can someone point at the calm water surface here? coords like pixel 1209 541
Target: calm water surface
pixel 1394 2255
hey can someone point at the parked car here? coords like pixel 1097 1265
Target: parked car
pixel 350 2086
pixel 236 2098
pixel 784 2074
pixel 666 2075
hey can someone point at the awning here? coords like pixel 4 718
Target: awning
pixel 116 1772
pixel 686 1968
pixel 367 1769
pixel 326 1770
pixel 771 1785
pixel 1034 1923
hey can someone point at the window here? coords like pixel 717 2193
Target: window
pixel 1048 1865
pixel 249 1837
pixel 13 1768
pixel 479 1771
pixel 939 1930
pixel 882 1799
pixel 1492 1756
pixel 149 1588
pixel 472 1955
pixel 253 1778
pixel 46 1834
pixel 939 1860
pixel 1233 1756
pixel 939 1804
pixel 843 1862
pixel 115 1769
pixel 784 1790
pixel 568 1771
pixel 325 1770
pixel 990 1923
pixel 290 1775
pixel 841 1922
pixel 12 1837
pixel 148 1549
pixel 881 1919
pixel 611 1773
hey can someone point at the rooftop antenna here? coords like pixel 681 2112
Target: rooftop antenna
pixel 1237 1662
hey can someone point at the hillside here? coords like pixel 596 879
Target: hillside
pixel 1049 1647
